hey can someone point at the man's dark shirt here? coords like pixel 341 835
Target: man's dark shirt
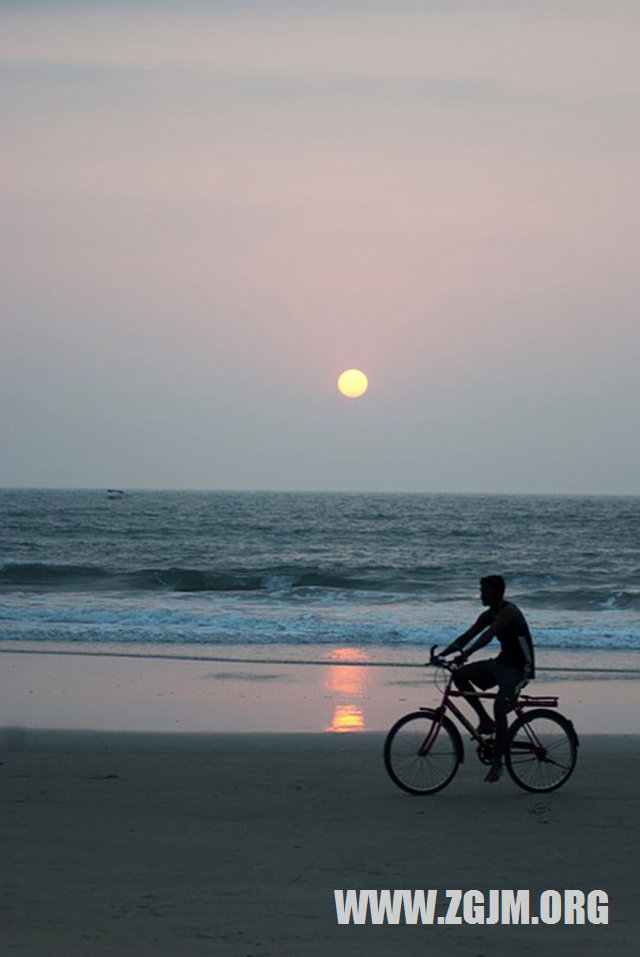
pixel 512 631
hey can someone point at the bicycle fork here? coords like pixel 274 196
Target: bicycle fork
pixel 434 730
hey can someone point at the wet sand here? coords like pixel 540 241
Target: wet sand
pixel 131 840
pixel 345 690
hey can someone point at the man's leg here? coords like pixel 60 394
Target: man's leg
pixel 500 709
pixel 509 684
pixel 462 680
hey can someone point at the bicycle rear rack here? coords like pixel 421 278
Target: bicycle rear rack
pixel 537 701
pixel 524 700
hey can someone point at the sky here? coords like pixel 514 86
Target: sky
pixel 211 209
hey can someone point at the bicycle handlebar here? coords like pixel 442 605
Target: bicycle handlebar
pixel 439 661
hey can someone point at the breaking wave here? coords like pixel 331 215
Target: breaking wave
pixel 305 581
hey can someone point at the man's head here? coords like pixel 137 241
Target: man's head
pixel 492 589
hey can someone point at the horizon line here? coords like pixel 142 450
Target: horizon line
pixel 313 491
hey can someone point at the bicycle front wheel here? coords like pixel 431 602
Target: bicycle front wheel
pixel 422 753
pixel 541 750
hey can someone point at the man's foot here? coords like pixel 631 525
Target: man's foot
pixel 494 773
pixel 486 726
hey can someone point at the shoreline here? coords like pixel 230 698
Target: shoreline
pixel 92 652
pixel 347 692
pixel 583 659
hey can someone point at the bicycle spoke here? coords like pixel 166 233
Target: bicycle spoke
pixel 421 756
pixel 541 751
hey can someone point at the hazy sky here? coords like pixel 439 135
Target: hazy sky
pixel 210 209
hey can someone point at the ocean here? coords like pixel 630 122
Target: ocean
pixel 194 572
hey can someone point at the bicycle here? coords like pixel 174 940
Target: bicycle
pixel 423 749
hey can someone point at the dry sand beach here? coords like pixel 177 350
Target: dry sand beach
pixel 184 844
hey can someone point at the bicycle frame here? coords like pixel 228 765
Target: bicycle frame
pixel 523 701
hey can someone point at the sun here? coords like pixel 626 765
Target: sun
pixel 353 383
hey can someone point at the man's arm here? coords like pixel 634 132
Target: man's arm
pixel 482 641
pixel 459 643
pixel 495 626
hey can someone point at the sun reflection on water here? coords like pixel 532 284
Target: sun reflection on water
pixel 348 680
pixel 346 717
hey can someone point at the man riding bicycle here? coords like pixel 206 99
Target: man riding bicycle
pixel 510 671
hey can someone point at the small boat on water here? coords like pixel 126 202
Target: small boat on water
pixel 115 493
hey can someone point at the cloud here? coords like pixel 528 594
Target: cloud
pixel 515 52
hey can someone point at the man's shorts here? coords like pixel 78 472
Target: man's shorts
pixel 486 674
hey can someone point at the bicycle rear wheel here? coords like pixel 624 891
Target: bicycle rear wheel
pixel 541 750
pixel 422 754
